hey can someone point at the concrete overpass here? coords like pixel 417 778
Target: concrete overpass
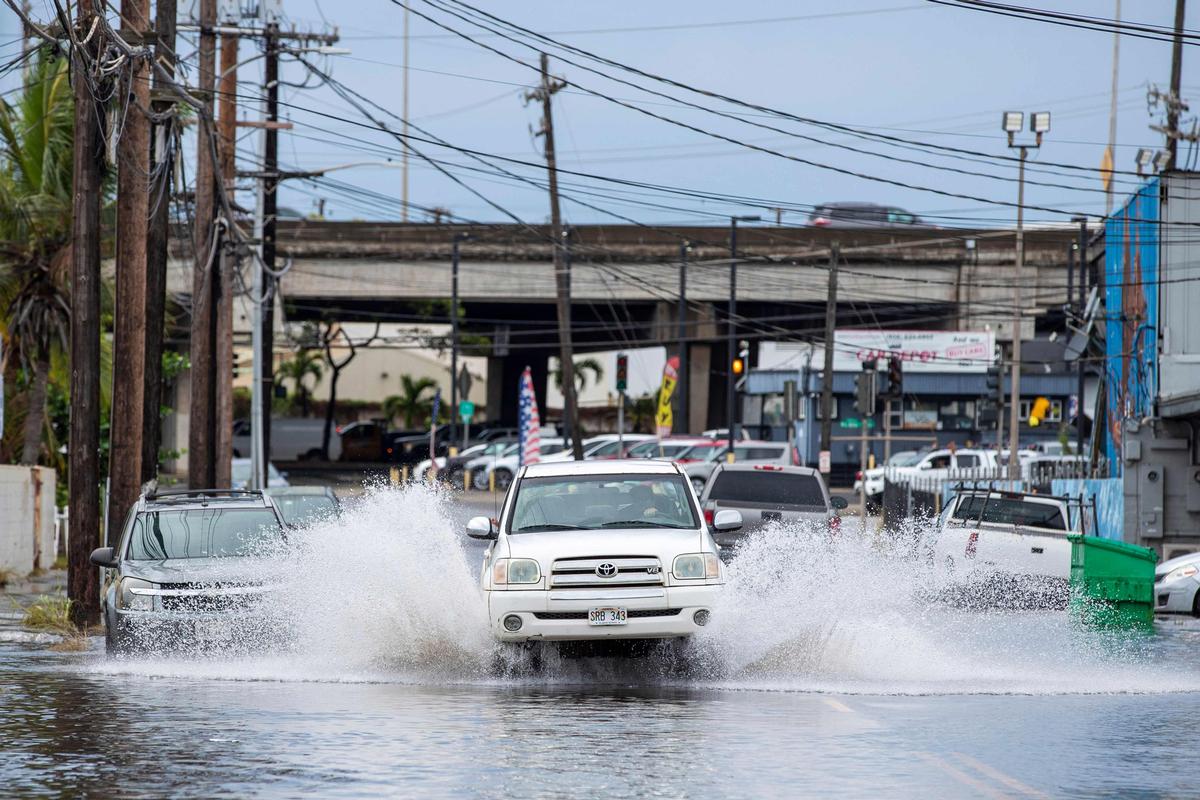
pixel 625 286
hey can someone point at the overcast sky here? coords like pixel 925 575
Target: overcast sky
pixel 901 67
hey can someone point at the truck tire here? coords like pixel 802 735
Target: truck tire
pixel 116 640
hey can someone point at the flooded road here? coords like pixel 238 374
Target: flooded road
pixel 825 674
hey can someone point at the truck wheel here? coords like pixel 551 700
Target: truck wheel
pixel 503 478
pixel 1196 604
pixel 116 640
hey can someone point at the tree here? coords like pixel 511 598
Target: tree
pixel 641 413
pixel 411 404
pixel 582 367
pixel 36 134
pixel 329 333
pixel 300 366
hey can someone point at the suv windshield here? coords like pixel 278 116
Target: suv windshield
pixel 764 488
pixel 203 533
pixel 602 501
pixel 1010 511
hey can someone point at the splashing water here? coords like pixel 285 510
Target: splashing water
pixel 386 592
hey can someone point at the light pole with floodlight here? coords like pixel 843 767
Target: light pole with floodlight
pixel 1012 123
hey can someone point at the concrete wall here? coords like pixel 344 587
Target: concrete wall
pixel 26 518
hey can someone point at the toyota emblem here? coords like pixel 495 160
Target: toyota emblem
pixel 606 570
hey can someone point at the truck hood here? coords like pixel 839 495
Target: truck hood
pixel 242 571
pixel 552 545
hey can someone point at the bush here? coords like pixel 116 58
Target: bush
pixel 52 614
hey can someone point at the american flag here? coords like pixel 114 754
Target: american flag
pixel 530 423
pixel 433 426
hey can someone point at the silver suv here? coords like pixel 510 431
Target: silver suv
pixel 765 493
pixel 188 568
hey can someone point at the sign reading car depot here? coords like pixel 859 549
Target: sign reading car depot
pixel 920 351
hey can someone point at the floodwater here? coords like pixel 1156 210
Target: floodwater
pixel 826 672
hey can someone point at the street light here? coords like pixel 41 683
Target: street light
pixel 731 327
pixel 1039 124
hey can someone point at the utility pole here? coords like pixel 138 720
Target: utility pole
pixel 229 262
pixel 562 277
pixel 1081 361
pixel 830 325
pixel 88 168
pixel 681 398
pixel 1112 111
pixel 129 319
pixel 158 234
pixel 202 409
pixel 1176 100
pixel 731 414
pixel 265 355
pixel 404 123
pixel 454 415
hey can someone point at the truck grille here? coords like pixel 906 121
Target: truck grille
pixel 201 603
pixel 589 573
pixel 633 613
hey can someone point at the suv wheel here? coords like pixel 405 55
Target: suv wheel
pixel 116 640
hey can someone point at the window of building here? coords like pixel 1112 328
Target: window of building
pixel 957 415
pixel 920 414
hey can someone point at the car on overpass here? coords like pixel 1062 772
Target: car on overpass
pixel 862 215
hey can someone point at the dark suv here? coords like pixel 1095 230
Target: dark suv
pixel 189 568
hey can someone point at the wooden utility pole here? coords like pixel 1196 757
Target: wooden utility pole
pixel 223 357
pixel 129 319
pixel 1175 102
pixel 562 276
pixel 270 220
pixel 830 327
pixel 158 238
pixel 82 578
pixel 203 400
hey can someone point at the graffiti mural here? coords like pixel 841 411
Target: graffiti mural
pixel 1131 313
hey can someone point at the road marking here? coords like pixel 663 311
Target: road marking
pixel 960 776
pixel 1000 777
pixel 837 705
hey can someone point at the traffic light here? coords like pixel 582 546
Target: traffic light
pixel 864 389
pixel 622 372
pixel 895 372
pixel 993 379
pixel 235 364
pixel 738 366
pixel 1037 412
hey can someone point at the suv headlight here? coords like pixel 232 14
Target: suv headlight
pixel 511 571
pixel 1179 573
pixel 695 566
pixel 131 601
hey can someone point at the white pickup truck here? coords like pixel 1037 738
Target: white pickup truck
pixel 1012 539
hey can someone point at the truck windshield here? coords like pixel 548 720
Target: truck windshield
pixel 203 533
pixel 763 488
pixel 602 501
pixel 1010 511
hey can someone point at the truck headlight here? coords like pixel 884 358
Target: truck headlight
pixel 695 566
pixel 1179 573
pixel 129 600
pixel 509 571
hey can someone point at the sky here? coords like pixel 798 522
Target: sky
pixel 904 68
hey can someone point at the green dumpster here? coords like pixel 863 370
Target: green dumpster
pixel 1112 583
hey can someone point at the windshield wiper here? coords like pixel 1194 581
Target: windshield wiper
pixel 639 523
pixel 550 526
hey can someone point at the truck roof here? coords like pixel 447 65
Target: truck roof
pixel 614 467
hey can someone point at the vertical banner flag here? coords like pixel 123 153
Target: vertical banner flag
pixel 664 418
pixel 529 423
pixel 437 406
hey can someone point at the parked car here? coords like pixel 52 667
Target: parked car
pixel 670 448
pixel 704 450
pixel 505 467
pixel 862 215
pixel 766 493
pixel 300 505
pixel 751 452
pixel 479 466
pixel 1016 541
pixel 946 463
pixel 185 567
pixel 239 473
pixel 292 439
pixel 597 550
pixel 1177 585
pixel 874 476
pixel 603 446
pixel 361 441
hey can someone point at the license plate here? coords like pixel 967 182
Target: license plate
pixel 607 616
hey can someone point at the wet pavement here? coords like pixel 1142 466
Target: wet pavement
pixel 831 684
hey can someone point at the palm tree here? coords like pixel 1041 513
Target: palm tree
pixel 36 135
pixel 411 404
pixel 582 367
pixel 304 363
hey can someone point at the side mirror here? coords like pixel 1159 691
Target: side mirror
pixel 838 502
pixel 727 520
pixel 104 557
pixel 481 528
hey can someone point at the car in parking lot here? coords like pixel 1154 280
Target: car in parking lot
pixel 670 448
pixel 767 493
pixel 1177 585
pixel 745 452
pixel 239 473
pixel 186 568
pixel 300 505
pixel 587 550
pixel 505 467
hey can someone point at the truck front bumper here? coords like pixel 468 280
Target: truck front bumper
pixel 562 615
